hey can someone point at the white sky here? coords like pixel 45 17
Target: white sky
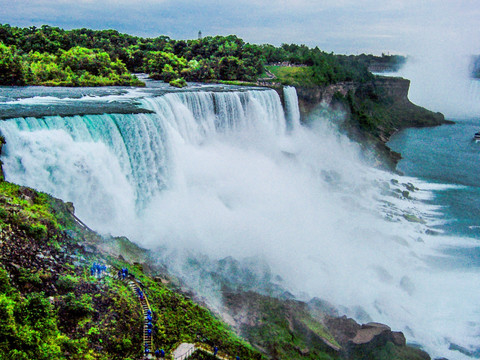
pixel 341 26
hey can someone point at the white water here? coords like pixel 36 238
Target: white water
pixel 218 173
pixel 291 106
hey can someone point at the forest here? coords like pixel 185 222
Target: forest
pixel 84 57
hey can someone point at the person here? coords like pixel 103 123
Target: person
pixel 238 357
pixel 215 351
pixel 162 353
pixel 157 353
pixel 150 325
pixel 149 332
pixel 149 317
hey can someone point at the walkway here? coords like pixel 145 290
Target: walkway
pixel 137 289
pixel 184 350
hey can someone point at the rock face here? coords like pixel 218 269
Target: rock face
pixel 376 334
pixel 374 111
pixel 368 340
pixel 310 98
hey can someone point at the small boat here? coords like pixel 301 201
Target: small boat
pixel 476 137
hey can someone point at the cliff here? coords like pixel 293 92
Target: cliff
pixel 374 110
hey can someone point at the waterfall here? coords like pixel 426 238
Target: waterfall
pixel 291 106
pixel 221 173
pixel 114 164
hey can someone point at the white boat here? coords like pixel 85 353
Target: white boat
pixel 476 137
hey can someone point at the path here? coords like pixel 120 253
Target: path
pixel 184 350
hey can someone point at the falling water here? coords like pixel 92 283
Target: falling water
pixel 218 173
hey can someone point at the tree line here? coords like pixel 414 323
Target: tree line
pixel 84 57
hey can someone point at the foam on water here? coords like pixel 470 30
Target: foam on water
pixel 48 100
pixel 221 173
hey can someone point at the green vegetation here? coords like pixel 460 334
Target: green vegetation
pixel 53 56
pixel 77 67
pixel 392 352
pixel 285 329
pixel 295 76
pixel 51 308
pixel 11 66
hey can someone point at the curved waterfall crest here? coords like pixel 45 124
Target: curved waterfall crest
pixel 140 144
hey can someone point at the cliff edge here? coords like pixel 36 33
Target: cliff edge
pixel 374 110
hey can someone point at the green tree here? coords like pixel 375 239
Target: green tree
pixel 11 67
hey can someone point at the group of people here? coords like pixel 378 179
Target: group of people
pixel 139 293
pixel 98 270
pixel 122 274
pixel 159 353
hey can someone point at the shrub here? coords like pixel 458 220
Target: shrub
pixel 11 66
pixel 67 282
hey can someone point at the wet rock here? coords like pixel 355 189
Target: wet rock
pixel 413 218
pixel 70 207
pixel 410 187
pixel 368 332
pixel 399 338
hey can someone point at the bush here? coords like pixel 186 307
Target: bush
pixel 11 66
pixel 67 282
pixel 78 307
pixel 179 83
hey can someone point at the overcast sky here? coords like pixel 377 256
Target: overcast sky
pixel 341 26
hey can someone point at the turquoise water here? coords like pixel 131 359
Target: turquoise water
pixel 447 155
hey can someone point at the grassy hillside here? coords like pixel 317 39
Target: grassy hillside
pixel 293 75
pixel 52 308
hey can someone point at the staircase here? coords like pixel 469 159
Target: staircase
pixel 147 339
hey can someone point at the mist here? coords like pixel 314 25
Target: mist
pixel 238 179
pixel 439 53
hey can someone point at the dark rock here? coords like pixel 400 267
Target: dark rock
pixel 399 338
pixel 342 328
pixel 27 193
pixel 70 207
pixel 410 187
pixel 368 332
